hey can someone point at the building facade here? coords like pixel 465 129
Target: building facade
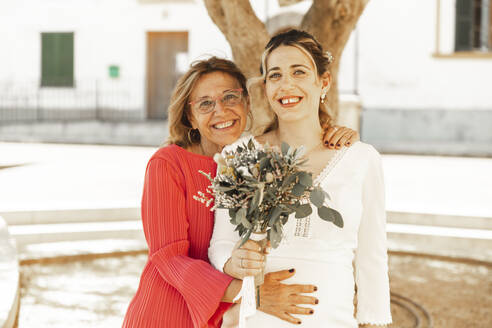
pixel 421 70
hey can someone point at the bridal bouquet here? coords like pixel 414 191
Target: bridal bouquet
pixel 261 187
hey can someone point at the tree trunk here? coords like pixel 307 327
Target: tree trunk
pixel 330 21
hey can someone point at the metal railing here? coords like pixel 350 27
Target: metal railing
pixel 88 99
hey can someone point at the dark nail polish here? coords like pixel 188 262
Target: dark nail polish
pixel 316 302
pixel 332 144
pixel 338 145
pixel 315 288
pixel 348 143
pixel 291 270
pixel 311 311
pixel 326 143
pixel 299 322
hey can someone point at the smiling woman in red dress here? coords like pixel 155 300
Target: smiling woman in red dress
pixel 179 287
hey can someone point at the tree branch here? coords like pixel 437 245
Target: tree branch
pixel 332 22
pixel 245 32
pixel 216 13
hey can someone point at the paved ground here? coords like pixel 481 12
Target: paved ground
pixel 95 293
pixel 57 176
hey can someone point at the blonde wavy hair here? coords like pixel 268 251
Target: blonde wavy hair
pixel 179 110
pixel 313 50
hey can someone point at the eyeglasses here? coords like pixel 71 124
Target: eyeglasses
pixel 229 98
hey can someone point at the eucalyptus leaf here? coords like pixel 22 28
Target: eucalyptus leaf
pixel 338 218
pixel 261 155
pixel 305 179
pixel 288 180
pixel 245 222
pixel 331 215
pixel 325 214
pixel 290 152
pixel 300 152
pixel 317 197
pixel 285 148
pixel 232 213
pixel 255 201
pixel 303 211
pixel 251 145
pixel 269 192
pixel 225 188
pixel 241 229
pixel 274 216
pixel 298 189
pixel 302 162
pixel 241 213
pixel 264 163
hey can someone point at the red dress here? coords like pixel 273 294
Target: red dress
pixel 178 287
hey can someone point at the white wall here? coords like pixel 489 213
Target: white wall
pixel 106 32
pixel 396 45
pixel 397 69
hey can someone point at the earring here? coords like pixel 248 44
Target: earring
pixel 193 135
pixel 323 96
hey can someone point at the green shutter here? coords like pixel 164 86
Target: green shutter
pixel 57 59
pixel 464 25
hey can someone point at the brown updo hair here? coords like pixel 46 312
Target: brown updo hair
pixel 313 49
pixel 179 108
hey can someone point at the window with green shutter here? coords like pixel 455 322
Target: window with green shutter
pixel 57 60
pixel 473 25
pixel 464 24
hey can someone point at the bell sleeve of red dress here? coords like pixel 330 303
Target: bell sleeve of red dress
pixel 165 225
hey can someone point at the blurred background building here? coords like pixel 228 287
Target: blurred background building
pixel 103 71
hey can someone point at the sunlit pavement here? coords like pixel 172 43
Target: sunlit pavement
pixel 95 293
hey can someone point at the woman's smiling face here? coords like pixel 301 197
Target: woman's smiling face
pixel 224 124
pixel 292 85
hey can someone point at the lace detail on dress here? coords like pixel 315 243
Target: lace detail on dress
pixel 329 167
pixel 302 225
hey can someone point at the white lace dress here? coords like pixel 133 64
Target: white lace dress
pixel 325 255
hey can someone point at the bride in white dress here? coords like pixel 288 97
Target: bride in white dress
pixel 296 80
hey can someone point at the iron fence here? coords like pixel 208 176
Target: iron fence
pixel 88 99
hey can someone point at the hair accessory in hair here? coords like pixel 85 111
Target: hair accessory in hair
pixel 330 57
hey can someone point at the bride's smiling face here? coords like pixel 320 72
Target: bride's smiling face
pixel 292 85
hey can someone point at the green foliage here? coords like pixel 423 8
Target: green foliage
pixel 331 215
pixel 298 190
pixel 317 197
pixel 261 187
pixel 303 211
